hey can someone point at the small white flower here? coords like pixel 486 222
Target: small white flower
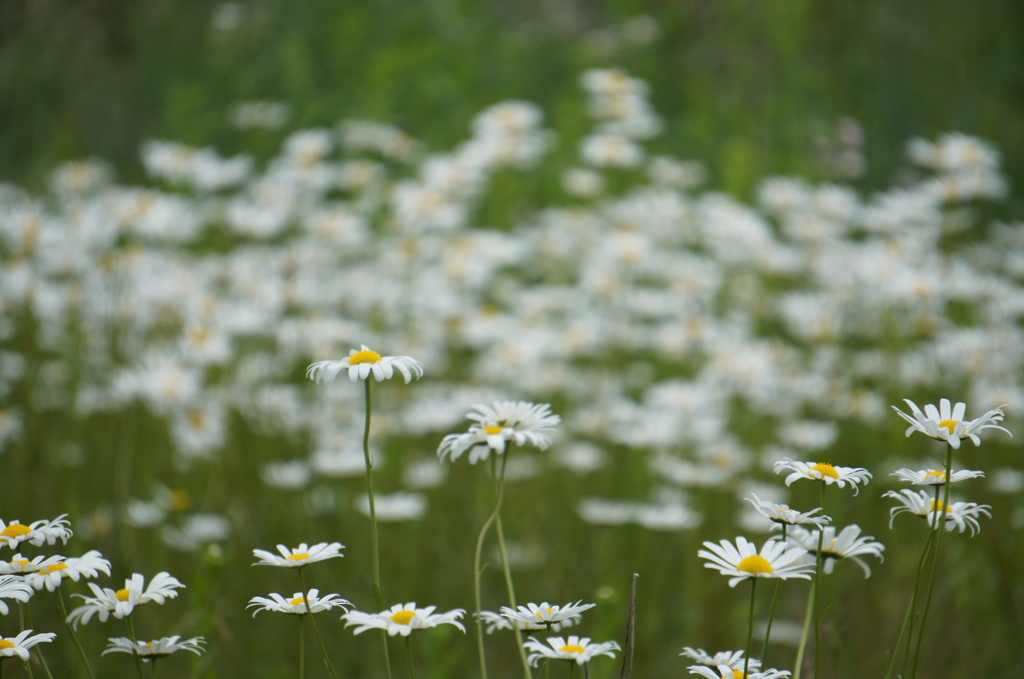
pixel 546 615
pixel 37 533
pixel 574 649
pixel 298 604
pixel 89 565
pixel 783 515
pixel 497 621
pixel 948 424
pixel 848 544
pixel 732 659
pixel 822 471
pixel 158 648
pixel 361 363
pixel 962 515
pixel 402 619
pixel 303 555
pixel 934 477
pixel 742 561
pixel 122 602
pixel 520 422
pixel 19 565
pixel 19 645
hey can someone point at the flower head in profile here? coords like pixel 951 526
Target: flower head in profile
pixel 729 672
pixel 962 515
pixel 545 615
pixel 934 477
pixel 19 645
pixel 742 561
pixel 299 604
pixel 122 602
pixel 825 472
pixel 732 659
pixel 156 649
pixel 303 555
pixel 19 565
pixel 496 621
pixel 496 425
pixel 361 363
pixel 36 533
pixel 89 565
pixel 574 649
pixel 848 544
pixel 402 619
pixel 947 423
pixel 782 515
pixel 13 587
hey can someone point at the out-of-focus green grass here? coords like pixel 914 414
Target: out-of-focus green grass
pixel 744 86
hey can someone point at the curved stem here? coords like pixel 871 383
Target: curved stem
pixel 511 591
pixel 940 524
pixel 750 627
pixel 135 642
pixel 408 654
pixel 910 608
pixel 74 636
pixel 375 547
pixel 316 630
pixel 807 627
pixel 478 557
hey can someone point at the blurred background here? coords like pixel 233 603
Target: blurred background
pixel 328 174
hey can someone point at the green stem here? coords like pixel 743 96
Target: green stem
pixel 807 626
pixel 750 627
pixel 21 623
pixel 375 548
pixel 911 607
pixel 817 590
pixel 302 647
pixel 771 611
pixel 135 643
pixel 511 591
pixel 316 630
pixel 478 557
pixel 74 636
pixel 940 525
pixel 408 653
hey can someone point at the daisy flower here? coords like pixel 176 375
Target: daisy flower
pixel 298 604
pixel 732 659
pixel 934 477
pixel 122 602
pixel 727 672
pixel 19 565
pixel 13 587
pixel 546 615
pixel 364 361
pixel 962 515
pixel 303 555
pixel 784 516
pixel 37 533
pixel 19 645
pixel 158 648
pixel 497 621
pixel 822 471
pixel 89 565
pixel 520 422
pixel 574 649
pixel 848 544
pixel 402 619
pixel 948 424
pixel 742 561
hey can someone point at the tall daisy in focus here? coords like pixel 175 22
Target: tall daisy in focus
pixel 361 364
pixel 495 428
pixel 402 620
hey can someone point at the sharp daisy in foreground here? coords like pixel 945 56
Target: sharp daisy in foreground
pixel 742 560
pixel 848 544
pixel 363 362
pixel 575 649
pixel 122 602
pixel 545 615
pixel 300 556
pixel 36 533
pixel 947 423
pixel 402 619
pixel 962 515
pixel 825 472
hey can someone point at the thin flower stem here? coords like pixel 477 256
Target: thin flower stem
pixel 477 558
pixel 302 647
pixel 39 651
pixel 750 627
pixel 817 590
pixel 940 524
pixel 911 608
pixel 408 654
pixel 511 592
pixel 71 631
pixel 771 611
pixel 807 627
pixel 316 630
pixel 375 548
pixel 135 642
pixel 21 623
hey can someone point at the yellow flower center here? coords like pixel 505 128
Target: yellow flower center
pixel 123 594
pixel 572 648
pixel 16 530
pixel 949 425
pixel 493 429
pixel 6 644
pixel 935 476
pixel 22 563
pixel 403 617
pixel 736 674
pixel 301 556
pixel 297 601
pixel 824 469
pixel 364 356
pixel 755 565
pixel 938 505
pixel 54 568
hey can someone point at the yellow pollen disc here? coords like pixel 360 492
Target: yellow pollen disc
pixel 738 674
pixel 297 600
pixel 6 644
pixel 937 506
pixel 571 648
pixel 180 500
pixel 150 644
pixel 825 469
pixel 949 425
pixel 403 617
pixel 938 476
pixel 21 562
pixel 364 356
pixel 755 565
pixel 301 556
pixel 16 530
pixel 493 429
pixel 123 594
pixel 54 568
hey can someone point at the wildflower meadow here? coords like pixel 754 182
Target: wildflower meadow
pixel 543 399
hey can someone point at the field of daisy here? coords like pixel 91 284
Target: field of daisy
pixel 659 366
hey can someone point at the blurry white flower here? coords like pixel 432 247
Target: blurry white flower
pixel 520 422
pixel 848 544
pixel 289 475
pixel 962 515
pixel 734 659
pixel 545 614
pixel 122 602
pixel 89 565
pixel 582 182
pixel 400 506
pixel 601 150
pixel 933 477
pixel 303 555
pixel 158 648
pixel 19 645
pixel 782 515
pixel 13 587
pixel 299 604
